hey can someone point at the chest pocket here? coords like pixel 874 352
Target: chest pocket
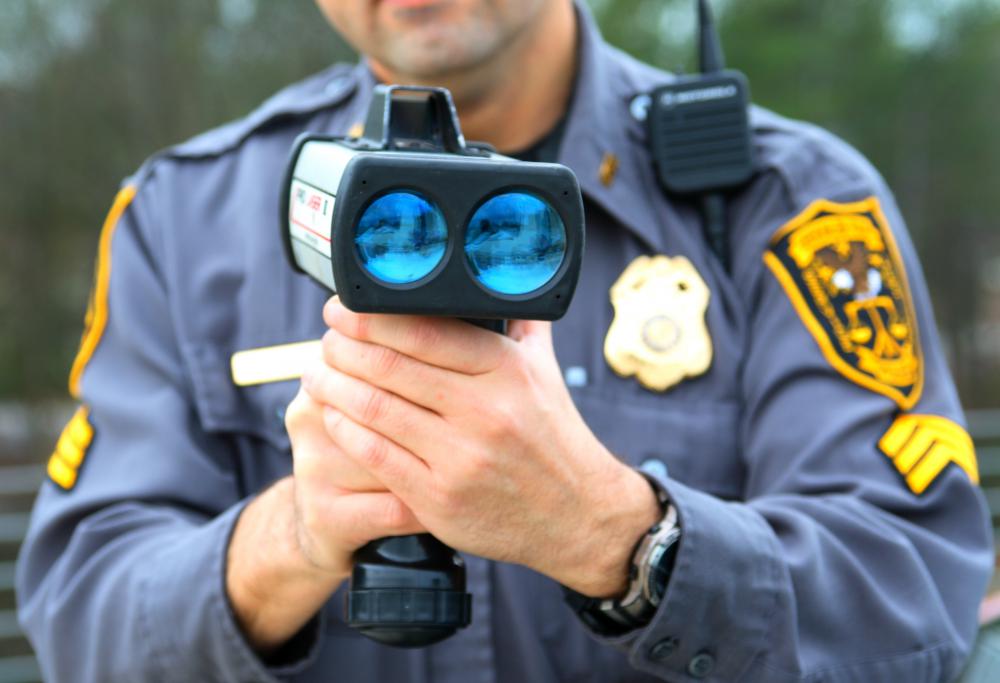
pixel 250 419
pixel 696 441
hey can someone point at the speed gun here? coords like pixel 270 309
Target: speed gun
pixel 409 218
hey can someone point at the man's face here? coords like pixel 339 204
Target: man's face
pixel 426 39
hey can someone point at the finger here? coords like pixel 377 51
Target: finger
pixel 399 470
pixel 425 385
pixel 335 472
pixel 316 457
pixel 530 331
pixel 444 342
pixel 363 517
pixel 410 426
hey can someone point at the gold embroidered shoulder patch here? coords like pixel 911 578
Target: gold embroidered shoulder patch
pixel 840 267
pixel 65 462
pixel 922 446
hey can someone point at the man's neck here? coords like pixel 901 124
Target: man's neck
pixel 516 98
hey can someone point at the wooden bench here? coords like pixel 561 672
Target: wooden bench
pixel 19 481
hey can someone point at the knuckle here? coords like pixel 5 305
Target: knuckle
pixel 384 362
pixel 317 382
pixel 295 414
pixel 474 467
pixel 360 326
pixel 332 421
pixel 394 514
pixel 374 452
pixel 447 498
pixel 453 505
pixel 478 465
pixel 508 358
pixel 502 421
pixel 518 366
pixel 372 406
pixel 424 334
pixel 329 346
pixel 301 423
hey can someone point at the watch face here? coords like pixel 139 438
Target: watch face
pixel 661 564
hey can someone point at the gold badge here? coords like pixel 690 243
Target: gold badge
pixel 659 333
pixel 841 268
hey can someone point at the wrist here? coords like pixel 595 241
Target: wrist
pixel 623 510
pixel 272 587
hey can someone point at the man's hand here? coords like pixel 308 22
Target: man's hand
pixel 292 545
pixel 478 436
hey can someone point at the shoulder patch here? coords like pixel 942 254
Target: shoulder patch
pixel 839 265
pixel 67 458
pixel 922 446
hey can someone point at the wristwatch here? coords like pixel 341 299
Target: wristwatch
pixel 652 562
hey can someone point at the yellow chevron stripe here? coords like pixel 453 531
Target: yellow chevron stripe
pixel 922 446
pixel 71 449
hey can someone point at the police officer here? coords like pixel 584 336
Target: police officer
pixel 762 472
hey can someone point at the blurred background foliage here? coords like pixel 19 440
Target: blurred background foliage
pixel 90 88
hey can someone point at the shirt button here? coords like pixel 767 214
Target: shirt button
pixel 337 84
pixel 663 649
pixel 701 665
pixel 654 467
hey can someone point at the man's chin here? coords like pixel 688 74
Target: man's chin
pixel 413 5
pixel 433 57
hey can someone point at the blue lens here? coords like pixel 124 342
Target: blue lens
pixel 515 243
pixel 401 237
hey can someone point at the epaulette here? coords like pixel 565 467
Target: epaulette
pixel 328 88
pixel 806 157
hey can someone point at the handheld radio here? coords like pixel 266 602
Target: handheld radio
pixel 699 132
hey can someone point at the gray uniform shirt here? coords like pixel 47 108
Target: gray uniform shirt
pixel 807 552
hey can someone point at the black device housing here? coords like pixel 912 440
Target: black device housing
pixel 412 142
pixel 408 591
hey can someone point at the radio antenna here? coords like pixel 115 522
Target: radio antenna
pixel 710 53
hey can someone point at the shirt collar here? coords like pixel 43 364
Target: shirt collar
pixel 601 129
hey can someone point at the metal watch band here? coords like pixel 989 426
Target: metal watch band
pixel 640 601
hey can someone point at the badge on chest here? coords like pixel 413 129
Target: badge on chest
pixel 658 333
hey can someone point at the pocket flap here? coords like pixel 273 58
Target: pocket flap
pixel 223 407
pixel 697 442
